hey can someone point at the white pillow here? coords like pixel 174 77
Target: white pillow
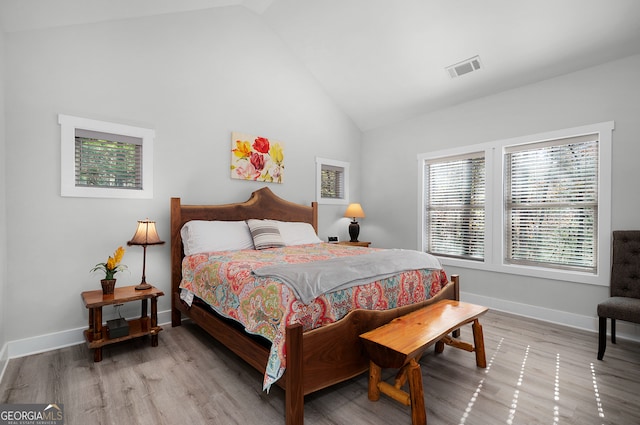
pixel 297 233
pixel 200 236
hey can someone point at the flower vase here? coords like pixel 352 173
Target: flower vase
pixel 108 286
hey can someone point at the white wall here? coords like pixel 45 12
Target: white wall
pixel 3 217
pixel 603 93
pixel 194 78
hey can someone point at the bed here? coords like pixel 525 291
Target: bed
pixel 316 356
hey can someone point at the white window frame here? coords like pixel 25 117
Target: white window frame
pixel 494 212
pixel 68 126
pixel 320 162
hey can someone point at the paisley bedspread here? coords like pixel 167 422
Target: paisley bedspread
pixel 265 306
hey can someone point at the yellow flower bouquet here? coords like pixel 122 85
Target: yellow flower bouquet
pixel 112 266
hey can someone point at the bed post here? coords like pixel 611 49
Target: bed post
pixel 456 296
pixel 294 389
pixel 176 260
pixel 456 286
pixel 314 206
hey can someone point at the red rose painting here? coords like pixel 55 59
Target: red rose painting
pixel 256 158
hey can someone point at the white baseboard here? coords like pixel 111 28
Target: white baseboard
pixel 4 359
pixel 53 341
pixel 624 330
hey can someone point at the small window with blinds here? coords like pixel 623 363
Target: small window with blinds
pixel 332 181
pixel 551 203
pixel 107 160
pixel 455 206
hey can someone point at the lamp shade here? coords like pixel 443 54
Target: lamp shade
pixel 355 211
pixel 146 234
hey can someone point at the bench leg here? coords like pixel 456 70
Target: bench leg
pixel 418 412
pixel 374 379
pixel 478 341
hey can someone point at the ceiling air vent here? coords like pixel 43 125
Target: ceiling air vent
pixel 464 67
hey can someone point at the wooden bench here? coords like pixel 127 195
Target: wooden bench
pixel 400 343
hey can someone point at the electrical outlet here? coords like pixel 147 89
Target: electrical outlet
pixel 333 239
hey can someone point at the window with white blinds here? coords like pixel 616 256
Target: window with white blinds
pixel 105 160
pixel 332 181
pixel 455 213
pixel 551 203
pixel 537 205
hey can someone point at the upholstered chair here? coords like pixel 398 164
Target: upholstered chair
pixel 624 303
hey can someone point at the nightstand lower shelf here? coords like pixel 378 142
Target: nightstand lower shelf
pixel 137 328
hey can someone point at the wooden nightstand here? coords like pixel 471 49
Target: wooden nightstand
pixel 96 335
pixel 359 243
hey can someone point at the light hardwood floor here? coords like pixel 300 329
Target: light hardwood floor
pixel 538 373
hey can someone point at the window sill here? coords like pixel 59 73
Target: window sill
pixel 537 272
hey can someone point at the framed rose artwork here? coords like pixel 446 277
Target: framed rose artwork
pixel 256 158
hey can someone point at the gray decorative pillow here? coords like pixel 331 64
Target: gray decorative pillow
pixel 265 234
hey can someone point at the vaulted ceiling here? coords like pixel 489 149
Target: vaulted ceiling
pixel 383 61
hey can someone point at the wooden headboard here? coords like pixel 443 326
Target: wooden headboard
pixel 262 204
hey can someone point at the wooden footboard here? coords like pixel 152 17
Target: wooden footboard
pixel 335 351
pixel 316 359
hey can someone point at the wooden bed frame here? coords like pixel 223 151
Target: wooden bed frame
pixel 316 359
